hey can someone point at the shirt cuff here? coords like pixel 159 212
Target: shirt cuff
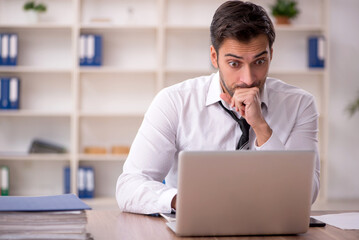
pixel 273 143
pixel 166 199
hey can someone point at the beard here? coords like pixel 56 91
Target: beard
pixel 231 90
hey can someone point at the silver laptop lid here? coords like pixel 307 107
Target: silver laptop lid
pixel 244 192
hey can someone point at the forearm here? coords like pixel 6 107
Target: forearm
pixel 138 194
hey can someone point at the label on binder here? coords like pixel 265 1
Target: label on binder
pixel 90 49
pixel 82 50
pixel 13 49
pixel 4 181
pixel 81 182
pixel 4 48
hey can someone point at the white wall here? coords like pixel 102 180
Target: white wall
pixel 343 146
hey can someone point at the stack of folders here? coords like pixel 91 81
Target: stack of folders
pixel 4 181
pixel 45 217
pixel 8 49
pixel 90 48
pixel 9 93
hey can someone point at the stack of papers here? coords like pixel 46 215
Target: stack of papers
pixel 345 221
pixel 46 217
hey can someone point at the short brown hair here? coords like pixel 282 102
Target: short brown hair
pixel 241 21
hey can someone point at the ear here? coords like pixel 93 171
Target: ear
pixel 214 57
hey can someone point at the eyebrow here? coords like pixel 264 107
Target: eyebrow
pixel 239 57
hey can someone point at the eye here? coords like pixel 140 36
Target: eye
pixel 233 64
pixel 260 61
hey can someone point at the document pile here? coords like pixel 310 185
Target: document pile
pixel 45 217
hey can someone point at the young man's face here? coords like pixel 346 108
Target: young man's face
pixel 242 65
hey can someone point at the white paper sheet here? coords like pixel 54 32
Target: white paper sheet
pixel 345 221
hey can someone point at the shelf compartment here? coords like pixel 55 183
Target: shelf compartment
pixel 106 174
pixel 179 49
pixel 117 93
pixel 43 93
pixel 107 132
pixel 127 12
pixel 58 12
pixel 38 48
pixel 286 57
pixel 31 178
pixel 17 133
pixel 187 12
pixel 118 48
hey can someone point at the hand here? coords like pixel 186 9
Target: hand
pixel 173 202
pixel 247 102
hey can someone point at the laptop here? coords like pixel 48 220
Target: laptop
pixel 223 193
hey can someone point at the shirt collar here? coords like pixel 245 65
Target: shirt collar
pixel 215 90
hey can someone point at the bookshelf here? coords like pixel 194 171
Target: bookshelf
pixel 147 45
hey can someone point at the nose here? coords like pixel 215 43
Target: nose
pixel 247 78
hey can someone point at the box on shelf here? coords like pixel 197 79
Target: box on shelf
pixel 41 146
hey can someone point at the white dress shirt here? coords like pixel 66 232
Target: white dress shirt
pixel 187 116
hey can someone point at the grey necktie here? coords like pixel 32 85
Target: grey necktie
pixel 243 141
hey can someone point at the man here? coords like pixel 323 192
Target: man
pixel 202 113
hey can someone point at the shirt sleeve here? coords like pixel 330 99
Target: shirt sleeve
pixel 303 136
pixel 139 188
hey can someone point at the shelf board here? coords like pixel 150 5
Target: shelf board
pixel 33 69
pixel 304 72
pixel 111 114
pixel 114 26
pixel 190 70
pixel 33 113
pixel 299 28
pixel 114 70
pixel 102 157
pixel 37 26
pixel 187 27
pixel 280 28
pixel 34 157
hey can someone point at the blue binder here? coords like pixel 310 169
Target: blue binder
pixel 4 49
pixel 89 182
pixel 1 51
pixel 14 93
pixel 4 104
pixel 316 52
pixel 67 180
pixel 81 182
pixel 13 49
pixel 82 50
pixel 90 50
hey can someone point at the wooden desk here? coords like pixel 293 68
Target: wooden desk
pixel 112 225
